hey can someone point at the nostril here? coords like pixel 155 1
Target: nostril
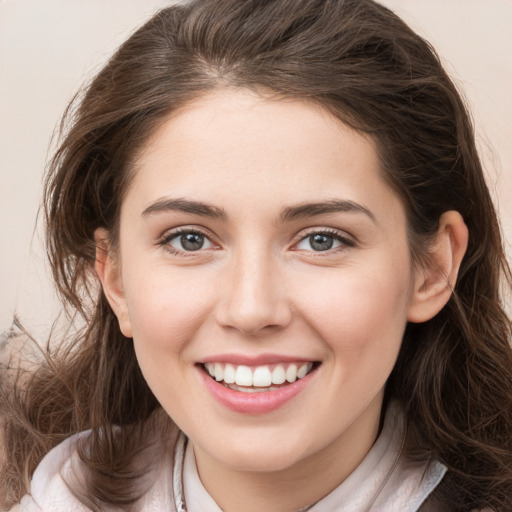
pixel 253 302
pixel 255 320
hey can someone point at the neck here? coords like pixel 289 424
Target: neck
pixel 302 484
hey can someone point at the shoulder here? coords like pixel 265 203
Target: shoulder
pixel 50 485
pixel 49 490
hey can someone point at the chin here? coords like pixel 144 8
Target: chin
pixel 271 456
pixel 268 463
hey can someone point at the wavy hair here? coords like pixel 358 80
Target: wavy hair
pixel 359 61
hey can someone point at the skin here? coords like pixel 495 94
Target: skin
pixel 258 287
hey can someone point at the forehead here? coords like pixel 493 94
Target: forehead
pixel 236 143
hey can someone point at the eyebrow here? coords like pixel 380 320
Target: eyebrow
pixel 184 205
pixel 288 214
pixel 302 211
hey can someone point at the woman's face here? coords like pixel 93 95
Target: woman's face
pixel 260 242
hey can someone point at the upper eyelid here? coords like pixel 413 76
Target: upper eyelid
pixel 171 233
pixel 164 241
pixel 323 230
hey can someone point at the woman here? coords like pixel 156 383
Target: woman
pixel 273 219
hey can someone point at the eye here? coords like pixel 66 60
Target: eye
pixel 322 241
pixel 187 241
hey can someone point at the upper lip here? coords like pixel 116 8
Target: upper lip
pixel 255 360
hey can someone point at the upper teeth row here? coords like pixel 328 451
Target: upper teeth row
pixel 259 376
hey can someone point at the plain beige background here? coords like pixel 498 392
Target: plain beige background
pixel 47 49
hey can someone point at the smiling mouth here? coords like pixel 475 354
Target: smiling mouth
pixel 258 379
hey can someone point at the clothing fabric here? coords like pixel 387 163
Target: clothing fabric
pixel 385 481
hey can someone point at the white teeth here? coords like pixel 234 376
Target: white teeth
pixel 219 372
pixel 278 375
pixel 243 376
pixel 301 372
pixel 259 377
pixel 262 378
pixel 229 374
pixel 291 373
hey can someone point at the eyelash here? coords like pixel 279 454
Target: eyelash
pixel 165 241
pixel 345 241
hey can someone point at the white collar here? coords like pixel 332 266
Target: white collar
pixel 385 481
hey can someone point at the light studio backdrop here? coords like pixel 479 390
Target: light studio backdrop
pixel 48 49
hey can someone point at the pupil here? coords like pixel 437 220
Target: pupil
pixel 192 241
pixel 321 242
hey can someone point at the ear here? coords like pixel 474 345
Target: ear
pixel 109 272
pixel 434 282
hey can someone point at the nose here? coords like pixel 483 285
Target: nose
pixel 254 299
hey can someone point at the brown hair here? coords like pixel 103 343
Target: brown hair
pixel 359 61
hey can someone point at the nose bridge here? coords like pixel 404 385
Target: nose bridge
pixel 254 300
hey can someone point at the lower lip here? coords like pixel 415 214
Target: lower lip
pixel 254 403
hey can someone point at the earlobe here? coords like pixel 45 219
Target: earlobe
pixel 434 282
pixel 109 273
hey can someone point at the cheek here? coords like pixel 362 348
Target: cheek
pixel 166 309
pixel 359 313
pixel 166 312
